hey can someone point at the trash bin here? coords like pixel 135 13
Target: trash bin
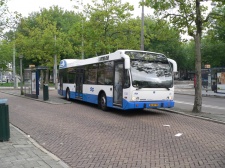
pixel 4 121
pixel 45 92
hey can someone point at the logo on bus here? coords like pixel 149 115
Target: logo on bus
pixel 91 89
pixel 62 64
pixel 104 58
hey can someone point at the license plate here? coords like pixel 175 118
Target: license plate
pixel 153 105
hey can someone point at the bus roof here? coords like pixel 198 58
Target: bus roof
pixel 66 63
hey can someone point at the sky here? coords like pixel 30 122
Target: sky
pixel 25 7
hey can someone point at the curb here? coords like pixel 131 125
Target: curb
pixel 26 97
pixel 203 95
pixel 195 116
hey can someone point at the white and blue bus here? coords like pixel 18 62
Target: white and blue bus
pixel 125 79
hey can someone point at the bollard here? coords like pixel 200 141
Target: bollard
pixel 45 92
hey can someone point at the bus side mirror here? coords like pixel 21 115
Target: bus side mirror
pixel 127 64
pixel 174 64
pixel 126 61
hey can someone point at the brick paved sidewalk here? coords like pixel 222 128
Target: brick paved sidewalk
pixel 22 151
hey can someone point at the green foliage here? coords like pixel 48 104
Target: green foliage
pixel 5 54
pixel 213 43
pixel 7 19
pixel 101 27
pixel 105 26
pixel 213 52
pixel 187 59
pixel 218 24
pixel 181 13
pixel 43 35
pixel 4 20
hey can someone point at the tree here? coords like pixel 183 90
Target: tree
pixel 161 37
pixel 7 20
pixel 5 54
pixel 213 52
pixel 43 35
pixel 218 24
pixel 187 16
pixel 105 25
pixel 213 43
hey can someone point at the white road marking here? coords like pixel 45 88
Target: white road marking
pixel 203 105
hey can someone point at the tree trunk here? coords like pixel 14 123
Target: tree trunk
pixel 198 71
pixel 198 88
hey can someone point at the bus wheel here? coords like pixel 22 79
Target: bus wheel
pixel 67 94
pixel 103 102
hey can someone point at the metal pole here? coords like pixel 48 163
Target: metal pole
pixel 142 27
pixel 21 75
pixel 55 71
pixel 1 70
pixel 14 61
pixel 82 43
pixel 55 67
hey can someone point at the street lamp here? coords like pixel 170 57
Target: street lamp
pixel 55 67
pixel 82 40
pixel 142 27
pixel 21 74
pixel 14 61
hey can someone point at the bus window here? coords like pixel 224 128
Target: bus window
pixel 105 75
pixel 91 74
pixel 108 73
pixel 126 79
pixel 101 74
pixel 71 75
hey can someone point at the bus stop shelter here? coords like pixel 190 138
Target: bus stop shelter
pixel 33 82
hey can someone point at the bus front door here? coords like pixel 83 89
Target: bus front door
pixel 61 85
pixel 118 80
pixel 79 83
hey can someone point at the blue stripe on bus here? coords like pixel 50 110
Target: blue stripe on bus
pixel 153 104
pixel 126 105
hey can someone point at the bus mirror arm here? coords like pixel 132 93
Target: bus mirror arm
pixel 174 64
pixel 126 61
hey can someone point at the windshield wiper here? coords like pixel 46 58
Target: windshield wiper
pixel 139 88
pixel 142 84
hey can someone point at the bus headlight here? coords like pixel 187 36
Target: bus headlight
pixel 135 98
pixel 169 97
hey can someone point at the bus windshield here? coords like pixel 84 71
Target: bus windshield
pixel 150 70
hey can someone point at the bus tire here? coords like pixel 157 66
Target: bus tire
pixel 103 102
pixel 67 94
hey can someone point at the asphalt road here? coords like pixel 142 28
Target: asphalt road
pixel 209 104
pixel 84 136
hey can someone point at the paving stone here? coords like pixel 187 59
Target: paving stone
pixel 83 136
